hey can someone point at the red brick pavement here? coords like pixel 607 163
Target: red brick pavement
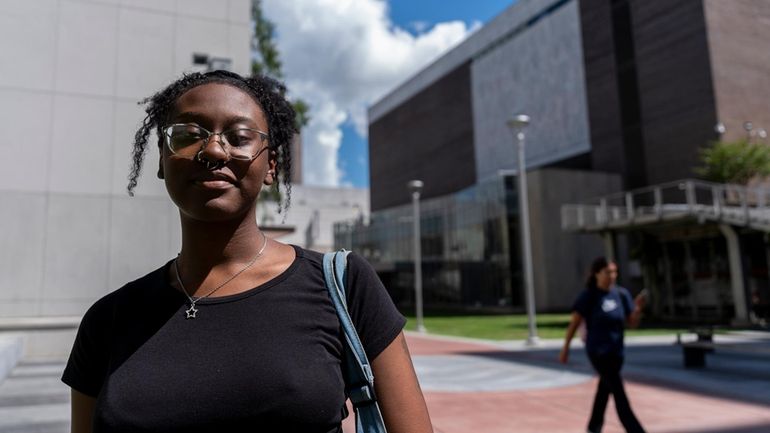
pixel 566 409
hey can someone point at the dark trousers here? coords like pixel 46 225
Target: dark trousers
pixel 608 367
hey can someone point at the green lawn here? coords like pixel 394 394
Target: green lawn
pixel 510 327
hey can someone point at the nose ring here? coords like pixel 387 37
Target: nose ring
pixel 210 165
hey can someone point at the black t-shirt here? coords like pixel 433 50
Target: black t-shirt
pixel 268 359
pixel 605 314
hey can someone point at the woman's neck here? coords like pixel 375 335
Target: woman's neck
pixel 604 288
pixel 207 244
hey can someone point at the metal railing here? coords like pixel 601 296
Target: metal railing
pixel 42 323
pixel 688 198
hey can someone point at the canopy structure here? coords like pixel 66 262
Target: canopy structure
pixel 686 202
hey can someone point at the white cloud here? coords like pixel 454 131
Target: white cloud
pixel 341 56
pixel 419 26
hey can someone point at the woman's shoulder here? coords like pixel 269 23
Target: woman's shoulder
pixel 625 296
pixel 361 279
pixel 585 300
pixel 308 255
pixel 129 292
pixel 356 263
pixel 584 293
pixel 622 291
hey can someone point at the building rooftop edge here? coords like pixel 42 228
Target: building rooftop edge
pixel 518 14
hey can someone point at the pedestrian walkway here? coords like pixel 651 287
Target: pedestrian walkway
pixel 527 390
pixel 494 387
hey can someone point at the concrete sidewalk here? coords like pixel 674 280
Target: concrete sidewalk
pixel 474 386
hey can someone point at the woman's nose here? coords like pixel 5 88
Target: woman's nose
pixel 214 148
pixel 212 153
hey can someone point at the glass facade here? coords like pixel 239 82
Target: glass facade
pixel 688 273
pixel 469 257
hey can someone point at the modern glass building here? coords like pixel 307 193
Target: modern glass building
pixel 467 256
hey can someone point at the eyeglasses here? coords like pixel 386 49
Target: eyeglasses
pixel 186 140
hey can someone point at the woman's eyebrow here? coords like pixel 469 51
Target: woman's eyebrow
pixel 241 119
pixel 192 116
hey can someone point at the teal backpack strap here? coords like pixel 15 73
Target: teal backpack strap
pixel 359 380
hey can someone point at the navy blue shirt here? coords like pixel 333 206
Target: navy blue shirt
pixel 605 315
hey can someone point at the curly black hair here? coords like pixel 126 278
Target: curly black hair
pixel 268 93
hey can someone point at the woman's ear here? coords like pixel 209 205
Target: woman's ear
pixel 272 162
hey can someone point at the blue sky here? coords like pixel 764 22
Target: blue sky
pixel 415 16
pixel 405 12
pixel 342 56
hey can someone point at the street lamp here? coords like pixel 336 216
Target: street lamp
pixel 415 187
pixel 748 126
pixel 517 124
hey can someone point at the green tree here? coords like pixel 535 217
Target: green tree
pixel 266 59
pixel 734 162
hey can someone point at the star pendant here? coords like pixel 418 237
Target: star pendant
pixel 191 312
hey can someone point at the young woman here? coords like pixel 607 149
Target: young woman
pixel 237 333
pixel 606 308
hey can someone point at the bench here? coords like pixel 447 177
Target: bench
pixel 694 352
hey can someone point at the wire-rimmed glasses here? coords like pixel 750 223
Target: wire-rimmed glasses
pixel 187 140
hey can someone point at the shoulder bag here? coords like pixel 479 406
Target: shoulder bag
pixel 359 380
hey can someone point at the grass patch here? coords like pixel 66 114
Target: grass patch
pixel 510 326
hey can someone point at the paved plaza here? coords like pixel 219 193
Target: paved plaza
pixel 487 387
pixel 496 387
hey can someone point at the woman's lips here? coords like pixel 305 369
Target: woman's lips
pixel 214 184
pixel 214 180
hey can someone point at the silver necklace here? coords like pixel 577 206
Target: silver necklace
pixel 192 311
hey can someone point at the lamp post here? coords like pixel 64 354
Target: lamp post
pixel 415 187
pixel 748 126
pixel 517 125
pixel 720 129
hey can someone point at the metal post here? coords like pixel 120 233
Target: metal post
pixel 609 246
pixel 745 204
pixel 630 206
pixel 415 186
pixel 581 217
pixel 716 197
pixel 604 214
pixel 689 193
pixel 736 274
pixel 517 125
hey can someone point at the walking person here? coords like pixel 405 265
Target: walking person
pixel 606 309
pixel 238 332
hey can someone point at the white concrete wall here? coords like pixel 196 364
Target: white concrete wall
pixel 331 204
pixel 71 74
